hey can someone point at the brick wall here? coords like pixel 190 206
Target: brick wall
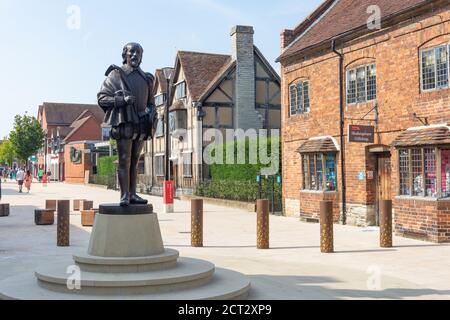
pixel 75 173
pixel 396 54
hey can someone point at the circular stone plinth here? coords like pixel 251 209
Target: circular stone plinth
pixel 126 236
pixel 134 209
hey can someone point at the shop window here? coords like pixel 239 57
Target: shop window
pixel 445 155
pixel 319 172
pixel 435 68
pixel 299 98
pixel 159 166
pixel 362 84
pixel 418 174
pixel 187 165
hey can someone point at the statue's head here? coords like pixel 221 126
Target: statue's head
pixel 132 54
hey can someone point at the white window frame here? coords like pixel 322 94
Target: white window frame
pixel 422 51
pixel 347 84
pixel 163 99
pixel 177 85
pixel 296 85
pixel 191 165
pixel 163 164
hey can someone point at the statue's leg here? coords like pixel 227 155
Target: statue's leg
pixel 124 148
pixel 136 152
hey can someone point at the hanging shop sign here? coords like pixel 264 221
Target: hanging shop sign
pixel 361 134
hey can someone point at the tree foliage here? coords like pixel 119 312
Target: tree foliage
pixel 27 137
pixel 7 153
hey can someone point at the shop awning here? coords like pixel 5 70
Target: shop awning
pixel 423 136
pixel 319 145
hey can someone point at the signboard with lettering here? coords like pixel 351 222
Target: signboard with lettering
pixel 361 134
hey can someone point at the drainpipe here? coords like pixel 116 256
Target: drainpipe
pixel 342 124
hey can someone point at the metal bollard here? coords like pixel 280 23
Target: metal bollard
pixel 63 228
pixel 326 227
pixel 197 223
pixel 386 224
pixel 263 226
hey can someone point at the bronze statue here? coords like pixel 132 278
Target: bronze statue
pixel 127 98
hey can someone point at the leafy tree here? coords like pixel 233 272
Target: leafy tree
pixel 7 152
pixel 27 137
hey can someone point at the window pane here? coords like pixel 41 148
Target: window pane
pixel 404 173
pixel 300 98
pixel 312 171
pixel 417 175
pixel 371 82
pixel 319 170
pixel 159 100
pixel 351 87
pixel 361 84
pixel 187 164
pixel 180 90
pixel 159 166
pixel 445 154
pixel 306 185
pixel 331 184
pixel 442 66
pixel 428 70
pixel 293 99
pixel 306 105
pixel 430 173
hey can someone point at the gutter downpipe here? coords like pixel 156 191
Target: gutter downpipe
pixel 342 124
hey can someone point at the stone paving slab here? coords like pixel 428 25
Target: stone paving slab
pixel 292 269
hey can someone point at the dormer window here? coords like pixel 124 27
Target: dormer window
pixel 160 99
pixel 180 90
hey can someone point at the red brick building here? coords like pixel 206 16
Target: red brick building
pixel 64 123
pixel 340 68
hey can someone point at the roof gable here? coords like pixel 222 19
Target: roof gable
pixel 64 114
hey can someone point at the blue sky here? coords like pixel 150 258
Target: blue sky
pixel 46 57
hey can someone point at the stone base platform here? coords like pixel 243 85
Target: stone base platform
pixel 127 261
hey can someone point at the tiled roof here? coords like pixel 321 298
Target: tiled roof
pixel 64 114
pixel 200 69
pixel 77 125
pixel 334 18
pixel 435 135
pixel 161 79
pixel 319 145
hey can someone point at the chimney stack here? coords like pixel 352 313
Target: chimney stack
pixel 244 54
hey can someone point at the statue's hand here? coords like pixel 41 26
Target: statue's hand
pixel 130 100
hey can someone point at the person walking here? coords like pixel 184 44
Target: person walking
pixel 44 180
pixel 28 180
pixel 20 178
pixel 40 174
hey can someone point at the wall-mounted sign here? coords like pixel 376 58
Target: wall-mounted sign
pixel 370 175
pixel 362 176
pixel 361 134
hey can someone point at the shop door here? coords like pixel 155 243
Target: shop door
pixel 383 180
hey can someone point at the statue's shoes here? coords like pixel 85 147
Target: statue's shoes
pixel 125 201
pixel 135 199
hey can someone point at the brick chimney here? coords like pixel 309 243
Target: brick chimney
pixel 287 36
pixel 243 53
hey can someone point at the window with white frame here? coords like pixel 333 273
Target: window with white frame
pixel 180 90
pixel 299 98
pixel 160 128
pixel 187 165
pixel 159 166
pixel 160 99
pixel 435 68
pixel 362 84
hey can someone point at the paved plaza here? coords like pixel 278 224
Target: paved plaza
pixel 293 268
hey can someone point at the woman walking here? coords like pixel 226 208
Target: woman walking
pixel 28 181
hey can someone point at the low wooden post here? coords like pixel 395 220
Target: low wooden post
pixel 4 210
pixel 44 217
pixel 263 231
pixel 87 218
pixel 51 205
pixel 197 223
pixel 326 227
pixel 63 229
pixel 386 224
pixel 86 205
pixel 77 204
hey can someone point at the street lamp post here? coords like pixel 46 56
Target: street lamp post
pixel 169 188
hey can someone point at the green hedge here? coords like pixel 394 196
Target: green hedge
pixel 106 166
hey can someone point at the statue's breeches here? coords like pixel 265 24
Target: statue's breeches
pixel 133 131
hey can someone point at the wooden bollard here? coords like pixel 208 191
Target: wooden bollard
pixel 51 205
pixel 197 223
pixel 263 231
pixel 4 210
pixel 386 224
pixel 44 217
pixel 87 218
pixel 63 229
pixel 86 205
pixel 77 204
pixel 326 227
